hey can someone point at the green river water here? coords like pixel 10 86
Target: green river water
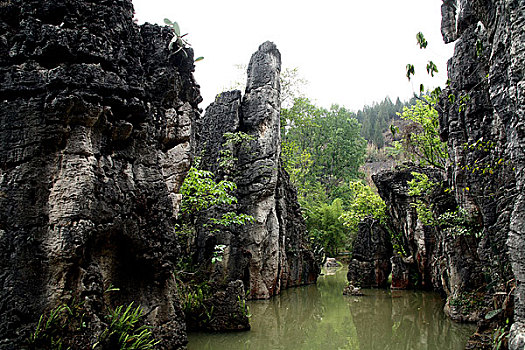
pixel 320 317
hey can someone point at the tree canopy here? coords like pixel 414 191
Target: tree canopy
pixel 321 144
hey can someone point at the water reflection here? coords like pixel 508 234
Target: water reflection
pixel 320 317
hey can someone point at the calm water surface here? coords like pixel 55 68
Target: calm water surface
pixel 320 317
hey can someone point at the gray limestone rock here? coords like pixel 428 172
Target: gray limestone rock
pixel 425 256
pixel 96 136
pixel 448 20
pixel 271 253
pixel 493 79
pixel 371 253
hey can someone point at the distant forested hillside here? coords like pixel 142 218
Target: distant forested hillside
pixel 377 118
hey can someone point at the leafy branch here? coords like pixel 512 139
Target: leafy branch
pixel 422 142
pixel 179 39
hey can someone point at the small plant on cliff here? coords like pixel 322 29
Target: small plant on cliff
pixel 125 330
pixel 245 309
pixel 201 192
pixel 57 328
pixel 227 159
pixel 218 253
pixel 487 161
pixel 467 302
pixel 204 197
pixel 178 39
pixel 193 297
pixel 456 222
pixel 421 185
pixel 500 336
pixel 64 327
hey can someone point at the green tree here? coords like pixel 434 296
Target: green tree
pixel 326 227
pixel 329 138
pixel 421 139
pixel 292 85
pixel 201 192
pixel 364 203
pixel 376 119
pixel 322 150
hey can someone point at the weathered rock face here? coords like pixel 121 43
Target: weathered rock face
pixel 414 242
pixel 271 253
pixel 488 65
pixel 224 310
pixel 372 250
pixel 429 257
pixel 96 136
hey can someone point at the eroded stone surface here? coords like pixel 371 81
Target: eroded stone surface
pixel 371 253
pixel 95 138
pixel 494 112
pixel 429 257
pixel 271 253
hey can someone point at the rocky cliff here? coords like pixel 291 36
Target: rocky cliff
pixel 433 256
pixel 96 136
pixel 271 253
pixel 482 119
pixel 371 253
pixel 473 254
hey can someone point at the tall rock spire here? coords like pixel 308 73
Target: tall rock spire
pixel 271 253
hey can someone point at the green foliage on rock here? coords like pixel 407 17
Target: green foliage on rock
pixel 456 222
pixel 126 331
pixel 365 203
pixel 201 192
pixel 227 160
pixel 178 41
pixel 66 326
pixel 421 141
pixel 193 297
pixel 420 184
pixel 56 326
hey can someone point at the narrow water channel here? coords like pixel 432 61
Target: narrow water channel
pixel 320 317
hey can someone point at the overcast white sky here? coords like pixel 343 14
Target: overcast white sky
pixel 351 52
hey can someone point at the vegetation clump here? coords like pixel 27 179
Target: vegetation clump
pixel 68 325
pixel 420 139
pixel 208 201
pixel 178 41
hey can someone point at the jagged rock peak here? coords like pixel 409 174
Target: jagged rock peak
pixel 264 68
pixel 271 253
pixel 448 20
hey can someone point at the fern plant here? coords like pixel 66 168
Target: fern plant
pixel 125 331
